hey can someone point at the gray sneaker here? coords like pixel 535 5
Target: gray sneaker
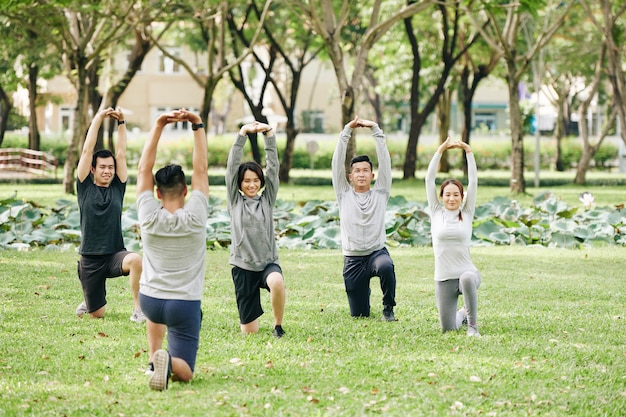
pixel 461 318
pixel 472 331
pixel 138 316
pixel 162 370
pixel 81 309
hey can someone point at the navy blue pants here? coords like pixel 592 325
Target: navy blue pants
pixel 182 318
pixel 357 273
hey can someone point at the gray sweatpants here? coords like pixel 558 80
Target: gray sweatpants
pixel 447 295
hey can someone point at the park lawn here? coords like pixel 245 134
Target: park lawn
pixel 552 323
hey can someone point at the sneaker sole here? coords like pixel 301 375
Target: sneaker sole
pixel 159 379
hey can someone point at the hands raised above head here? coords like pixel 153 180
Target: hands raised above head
pixel 110 112
pixel 450 144
pixel 115 113
pixel 254 127
pixel 358 122
pixel 180 115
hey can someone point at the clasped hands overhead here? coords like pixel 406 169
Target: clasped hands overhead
pixel 358 122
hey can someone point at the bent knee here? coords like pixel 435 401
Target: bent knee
pixel 468 278
pixel 183 377
pixel 275 281
pixel 132 261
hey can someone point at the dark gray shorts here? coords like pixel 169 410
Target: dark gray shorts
pixel 93 271
pixel 247 291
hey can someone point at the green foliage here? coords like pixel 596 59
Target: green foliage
pixel 490 154
pixel 16 121
pixel 315 225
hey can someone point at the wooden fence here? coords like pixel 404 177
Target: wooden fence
pixel 28 160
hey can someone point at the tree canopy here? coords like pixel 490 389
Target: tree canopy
pixel 387 55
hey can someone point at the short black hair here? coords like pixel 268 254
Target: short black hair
pixel 170 180
pixel 103 153
pixel 250 166
pixel 361 158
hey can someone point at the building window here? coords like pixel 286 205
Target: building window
pixel 484 121
pixel 313 121
pixel 66 119
pixel 166 64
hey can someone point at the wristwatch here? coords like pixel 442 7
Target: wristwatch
pixel 196 126
pixel 121 122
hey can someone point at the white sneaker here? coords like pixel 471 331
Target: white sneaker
pixel 138 316
pixel 81 309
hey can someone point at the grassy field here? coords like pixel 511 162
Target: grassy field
pixel 413 190
pixel 552 323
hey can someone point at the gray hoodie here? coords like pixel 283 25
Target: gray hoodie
pixel 253 243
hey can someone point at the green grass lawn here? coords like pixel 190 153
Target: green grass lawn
pixel 552 321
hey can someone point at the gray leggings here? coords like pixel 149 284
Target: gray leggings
pixel 447 295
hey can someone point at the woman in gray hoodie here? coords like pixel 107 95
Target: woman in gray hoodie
pixel 253 252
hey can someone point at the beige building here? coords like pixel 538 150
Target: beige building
pixel 162 85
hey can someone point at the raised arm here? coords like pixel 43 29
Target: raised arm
pixel 472 180
pixel 200 159
pixel 271 165
pixel 121 163
pixel 236 154
pixel 145 178
pixel 383 181
pixel 431 173
pixel 86 155
pixel 340 183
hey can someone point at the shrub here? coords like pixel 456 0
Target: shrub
pixel 491 154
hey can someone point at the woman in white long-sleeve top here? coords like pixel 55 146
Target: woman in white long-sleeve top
pixel 452 213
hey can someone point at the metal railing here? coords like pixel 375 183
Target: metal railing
pixel 28 160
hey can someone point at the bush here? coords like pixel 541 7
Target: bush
pixel 491 154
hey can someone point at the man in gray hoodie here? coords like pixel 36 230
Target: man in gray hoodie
pixel 362 214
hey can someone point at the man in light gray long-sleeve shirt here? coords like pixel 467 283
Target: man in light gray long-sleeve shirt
pixel 362 214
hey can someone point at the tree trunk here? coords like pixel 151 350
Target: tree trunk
pixel 559 132
pixel 286 161
pixel 34 139
pixel 588 150
pixel 79 131
pixel 207 100
pixel 347 114
pixel 443 124
pixel 140 49
pixel 5 108
pixel 518 183
pixel 95 99
pixel 583 165
pixel 374 98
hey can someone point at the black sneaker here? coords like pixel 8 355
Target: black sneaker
pixel 388 314
pixel 278 331
pixel 162 370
